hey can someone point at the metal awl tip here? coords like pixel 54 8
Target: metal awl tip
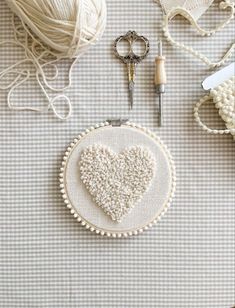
pixel 160 48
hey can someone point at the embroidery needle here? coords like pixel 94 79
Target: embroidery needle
pixel 160 80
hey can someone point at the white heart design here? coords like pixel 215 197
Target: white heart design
pixel 116 181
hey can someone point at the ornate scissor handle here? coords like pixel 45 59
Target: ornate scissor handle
pixel 131 57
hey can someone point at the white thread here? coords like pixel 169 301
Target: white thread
pixel 223 97
pixel 48 31
pixel 186 14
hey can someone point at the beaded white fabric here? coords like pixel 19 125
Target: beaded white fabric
pixel 116 181
pixel 223 97
pixel 192 11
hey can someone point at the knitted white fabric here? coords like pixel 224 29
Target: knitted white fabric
pixel 223 97
pixel 116 181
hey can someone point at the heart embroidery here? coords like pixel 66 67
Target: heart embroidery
pixel 116 181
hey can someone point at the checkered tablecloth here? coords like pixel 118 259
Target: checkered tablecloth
pixel 187 261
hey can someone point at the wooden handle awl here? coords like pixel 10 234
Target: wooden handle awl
pixel 160 73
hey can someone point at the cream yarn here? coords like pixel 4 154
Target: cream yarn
pixel 48 31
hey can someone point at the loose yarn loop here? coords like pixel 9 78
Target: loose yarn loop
pixel 223 97
pixel 48 31
pixel 227 4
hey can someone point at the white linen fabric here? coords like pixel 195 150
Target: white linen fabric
pixel 187 260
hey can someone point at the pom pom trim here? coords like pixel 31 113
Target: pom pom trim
pixel 85 223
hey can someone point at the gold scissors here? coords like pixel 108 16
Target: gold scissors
pixel 131 59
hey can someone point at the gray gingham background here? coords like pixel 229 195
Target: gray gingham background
pixel 187 260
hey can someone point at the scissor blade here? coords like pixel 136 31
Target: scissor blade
pixel 131 93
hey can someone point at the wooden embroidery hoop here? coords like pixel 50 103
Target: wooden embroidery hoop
pixel 154 203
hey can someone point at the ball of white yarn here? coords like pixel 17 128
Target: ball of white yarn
pixel 69 27
pixel 48 31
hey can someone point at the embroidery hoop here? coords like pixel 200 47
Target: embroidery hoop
pixel 70 160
